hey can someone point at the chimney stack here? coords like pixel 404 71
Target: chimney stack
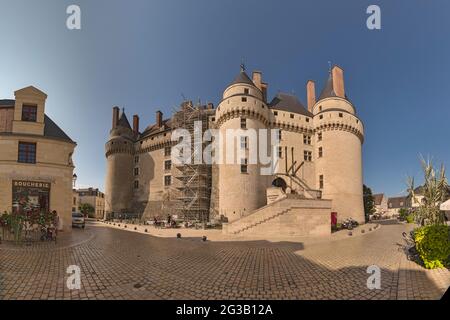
pixel 338 81
pixel 311 94
pixel 136 124
pixel 115 118
pixel 257 79
pixel 264 90
pixel 159 116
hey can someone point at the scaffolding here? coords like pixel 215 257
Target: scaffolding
pixel 194 179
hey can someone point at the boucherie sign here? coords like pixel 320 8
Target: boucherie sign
pixel 31 184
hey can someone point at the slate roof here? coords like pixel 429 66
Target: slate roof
pixel 242 77
pixel 399 202
pixel 328 90
pixel 154 128
pixel 51 129
pixel 7 103
pixel 290 103
pixel 378 198
pixel 123 121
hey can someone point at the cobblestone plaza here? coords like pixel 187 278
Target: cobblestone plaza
pixel 119 264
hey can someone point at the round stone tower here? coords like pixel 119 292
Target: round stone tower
pixel 119 165
pixel 243 109
pixel 339 135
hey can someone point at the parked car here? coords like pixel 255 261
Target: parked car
pixel 78 220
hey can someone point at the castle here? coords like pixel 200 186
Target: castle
pixel 319 168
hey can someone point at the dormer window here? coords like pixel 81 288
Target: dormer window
pixel 29 113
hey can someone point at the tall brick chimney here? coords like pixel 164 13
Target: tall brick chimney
pixel 311 94
pixel 136 123
pixel 338 81
pixel 159 116
pixel 115 117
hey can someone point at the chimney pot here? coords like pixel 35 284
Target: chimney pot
pixel 311 94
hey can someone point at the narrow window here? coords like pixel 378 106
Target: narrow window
pixel 320 152
pixel 136 159
pixel 307 119
pixel 321 116
pixel 136 171
pixel 321 181
pixel 275 113
pixel 27 152
pixel 279 135
pixel 167 180
pixel 320 108
pixel 244 143
pixel 29 113
pixel 340 115
pixel 243 123
pixel 167 165
pixel 246 91
pixel 244 99
pixel 319 136
pixel 167 151
pixel 280 152
pixel 136 184
pixel 292 116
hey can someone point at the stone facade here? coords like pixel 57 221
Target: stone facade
pixel 320 154
pixel 95 198
pixel 48 167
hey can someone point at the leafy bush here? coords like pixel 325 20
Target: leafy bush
pixel 410 218
pixel 433 245
pixel 403 214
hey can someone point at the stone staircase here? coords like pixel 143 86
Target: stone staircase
pixel 259 216
pixel 291 214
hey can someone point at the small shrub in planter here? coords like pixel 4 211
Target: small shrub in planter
pixel 410 218
pixel 433 245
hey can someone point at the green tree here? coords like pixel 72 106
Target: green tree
pixel 369 202
pixel 435 191
pixel 87 209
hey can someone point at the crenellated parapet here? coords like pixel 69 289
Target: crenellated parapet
pixel 119 145
pixel 339 121
pixel 248 111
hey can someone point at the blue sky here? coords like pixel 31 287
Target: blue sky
pixel 143 55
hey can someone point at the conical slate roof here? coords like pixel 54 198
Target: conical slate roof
pixel 123 121
pixel 242 77
pixel 328 90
